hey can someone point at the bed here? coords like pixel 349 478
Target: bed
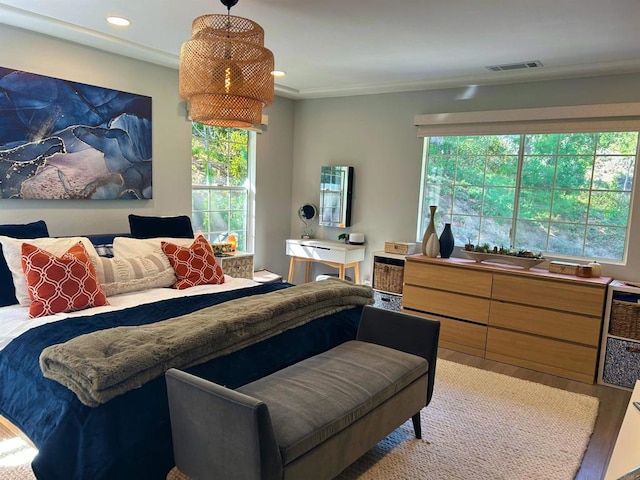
pixel 129 436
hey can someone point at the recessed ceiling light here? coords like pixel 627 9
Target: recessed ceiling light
pixel 278 73
pixel 118 21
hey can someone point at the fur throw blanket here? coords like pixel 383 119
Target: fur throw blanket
pixel 101 365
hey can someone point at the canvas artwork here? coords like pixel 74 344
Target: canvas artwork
pixel 67 140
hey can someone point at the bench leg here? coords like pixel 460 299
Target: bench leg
pixel 417 428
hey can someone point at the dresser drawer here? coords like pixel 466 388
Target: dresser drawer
pixel 450 279
pixel 568 360
pixel 569 297
pixel 460 336
pixel 446 304
pixel 548 323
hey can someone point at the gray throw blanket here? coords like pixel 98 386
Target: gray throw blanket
pixel 101 365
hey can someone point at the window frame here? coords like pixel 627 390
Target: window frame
pixel 519 192
pixel 249 187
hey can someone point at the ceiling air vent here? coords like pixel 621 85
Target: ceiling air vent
pixel 514 66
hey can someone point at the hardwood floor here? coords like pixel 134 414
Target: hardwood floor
pixel 613 405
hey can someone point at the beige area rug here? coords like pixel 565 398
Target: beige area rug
pixel 480 425
pixel 15 457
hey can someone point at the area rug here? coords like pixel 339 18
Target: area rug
pixel 480 425
pixel 15 457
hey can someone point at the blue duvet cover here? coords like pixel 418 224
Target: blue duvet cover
pixel 130 436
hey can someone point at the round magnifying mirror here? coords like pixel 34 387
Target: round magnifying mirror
pixel 307 212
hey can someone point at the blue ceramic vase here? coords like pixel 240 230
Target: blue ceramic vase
pixel 446 241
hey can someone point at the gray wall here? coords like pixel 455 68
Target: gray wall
pixel 375 134
pixel 44 55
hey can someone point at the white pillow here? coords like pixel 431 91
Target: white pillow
pixel 139 247
pixel 122 274
pixel 12 249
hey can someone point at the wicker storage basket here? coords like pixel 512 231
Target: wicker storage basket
pixel 625 319
pixel 388 278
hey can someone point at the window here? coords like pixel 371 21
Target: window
pixel 222 173
pixel 566 194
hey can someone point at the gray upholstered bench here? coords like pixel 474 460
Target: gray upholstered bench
pixel 312 419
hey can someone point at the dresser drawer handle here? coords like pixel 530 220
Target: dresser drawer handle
pixel 633 349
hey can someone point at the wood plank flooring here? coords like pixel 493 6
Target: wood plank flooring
pixel 613 405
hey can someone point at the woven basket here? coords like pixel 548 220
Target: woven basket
pixel 625 319
pixel 388 278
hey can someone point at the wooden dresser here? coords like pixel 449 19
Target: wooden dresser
pixel 543 321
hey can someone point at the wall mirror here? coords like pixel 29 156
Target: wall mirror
pixel 336 184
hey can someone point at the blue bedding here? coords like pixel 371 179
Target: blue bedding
pixel 130 436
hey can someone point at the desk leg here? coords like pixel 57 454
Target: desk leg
pixel 356 272
pixel 292 269
pixel 307 272
pixel 341 271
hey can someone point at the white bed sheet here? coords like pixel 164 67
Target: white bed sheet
pixel 14 319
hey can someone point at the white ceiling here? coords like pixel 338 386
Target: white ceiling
pixel 335 48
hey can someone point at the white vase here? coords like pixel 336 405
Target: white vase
pixel 433 246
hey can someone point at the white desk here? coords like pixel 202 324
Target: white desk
pixel 335 254
pixel 626 453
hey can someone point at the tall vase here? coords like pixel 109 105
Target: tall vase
pixel 430 229
pixel 446 241
pixel 433 246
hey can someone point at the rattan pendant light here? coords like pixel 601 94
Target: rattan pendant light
pixel 225 71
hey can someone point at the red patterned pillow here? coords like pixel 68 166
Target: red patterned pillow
pixel 194 265
pixel 60 284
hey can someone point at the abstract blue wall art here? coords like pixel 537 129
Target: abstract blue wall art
pixel 68 140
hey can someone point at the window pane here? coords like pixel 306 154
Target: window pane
pixel 605 242
pixel 574 172
pixel 610 208
pixel 531 236
pixel 503 144
pixel 441 169
pixel 614 173
pixel 465 229
pixel 502 171
pixel 617 143
pixel 570 206
pixel 576 143
pixel 541 144
pixel 220 221
pixel 470 171
pixel 535 204
pixel 220 199
pixel 467 200
pixel 498 202
pixel 472 146
pixel 200 199
pixel 538 171
pixel 201 222
pixel 566 239
pixel 495 232
pixel 443 145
